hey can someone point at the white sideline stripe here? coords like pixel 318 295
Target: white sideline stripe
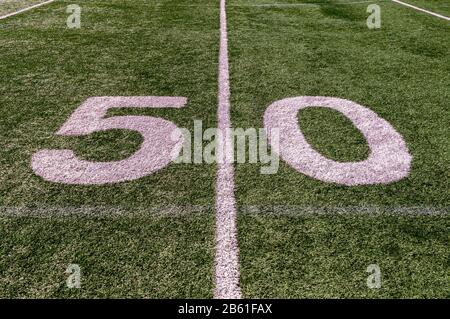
pixel 423 10
pixel 227 250
pixel 25 9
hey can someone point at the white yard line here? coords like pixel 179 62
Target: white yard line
pixel 103 211
pixel 25 9
pixel 227 250
pixel 367 211
pixel 114 212
pixel 422 10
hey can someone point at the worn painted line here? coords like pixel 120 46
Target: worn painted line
pixel 422 10
pixel 227 250
pixel 25 9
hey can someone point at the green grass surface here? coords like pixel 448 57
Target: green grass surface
pixel 123 48
pixel 9 6
pixel 437 6
pixel 136 47
pixel 401 72
pixel 327 257
pixel 145 257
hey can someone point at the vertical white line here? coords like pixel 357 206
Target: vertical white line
pixel 423 10
pixel 227 250
pixel 25 9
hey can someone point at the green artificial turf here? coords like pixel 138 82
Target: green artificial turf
pixel 438 6
pixel 327 257
pixel 402 73
pixel 10 6
pixel 145 257
pixel 123 48
pixel 170 48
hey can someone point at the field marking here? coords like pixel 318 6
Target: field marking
pixel 25 9
pixel 388 160
pixel 104 211
pixel 357 210
pixel 227 250
pixel 422 10
pixel 182 211
pixel 157 150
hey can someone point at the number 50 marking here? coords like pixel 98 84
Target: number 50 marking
pixel 157 150
pixel 388 161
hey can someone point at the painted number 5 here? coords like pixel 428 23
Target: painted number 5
pixel 157 149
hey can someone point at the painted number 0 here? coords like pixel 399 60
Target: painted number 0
pixel 157 150
pixel 388 161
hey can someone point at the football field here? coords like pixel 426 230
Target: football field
pixel 351 201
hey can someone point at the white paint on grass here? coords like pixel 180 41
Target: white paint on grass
pixel 25 9
pixel 422 10
pixel 388 161
pixel 227 251
pixel 157 150
pixel 339 210
pixel 176 211
pixel 105 211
